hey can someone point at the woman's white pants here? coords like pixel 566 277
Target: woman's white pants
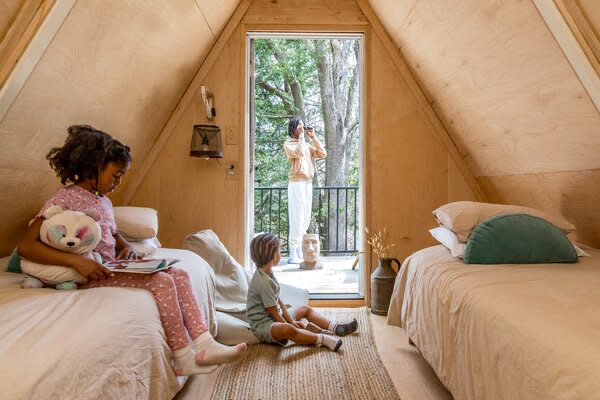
pixel 299 211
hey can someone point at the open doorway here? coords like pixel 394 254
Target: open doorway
pixel 317 78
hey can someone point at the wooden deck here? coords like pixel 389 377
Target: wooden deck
pixel 336 277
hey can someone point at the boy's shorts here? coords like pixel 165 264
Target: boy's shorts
pixel 262 330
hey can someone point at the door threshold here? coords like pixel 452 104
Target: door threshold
pixel 336 300
pixel 336 296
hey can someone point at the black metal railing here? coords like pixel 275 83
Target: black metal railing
pixel 334 216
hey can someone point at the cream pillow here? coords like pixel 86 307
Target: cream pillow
pixel 463 216
pixel 136 223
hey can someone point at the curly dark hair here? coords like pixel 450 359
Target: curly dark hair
pixel 263 248
pixel 292 125
pixel 85 152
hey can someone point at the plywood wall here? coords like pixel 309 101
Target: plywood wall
pixel 513 104
pixel 118 65
pixel 409 171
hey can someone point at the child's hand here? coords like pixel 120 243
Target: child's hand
pixel 128 253
pixel 297 324
pixel 91 269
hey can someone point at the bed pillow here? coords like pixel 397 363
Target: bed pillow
pixel 580 251
pixel 463 216
pixel 136 223
pixel 518 239
pixel 457 249
pixel 145 247
pixel 448 238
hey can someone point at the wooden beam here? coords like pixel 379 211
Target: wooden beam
pixel 23 44
pixel 583 29
pixel 192 91
pixel 413 84
pixel 17 26
pixel 571 47
pixel 20 31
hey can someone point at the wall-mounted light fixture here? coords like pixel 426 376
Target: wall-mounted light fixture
pixel 206 142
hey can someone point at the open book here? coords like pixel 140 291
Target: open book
pixel 143 266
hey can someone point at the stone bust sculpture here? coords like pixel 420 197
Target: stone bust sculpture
pixel 311 248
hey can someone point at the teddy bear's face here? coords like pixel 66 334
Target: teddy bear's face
pixel 71 231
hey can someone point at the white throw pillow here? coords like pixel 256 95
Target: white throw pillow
pixel 145 247
pixel 137 223
pixel 580 252
pixel 463 216
pixel 449 239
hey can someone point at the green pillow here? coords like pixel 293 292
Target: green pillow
pixel 518 239
pixel 14 262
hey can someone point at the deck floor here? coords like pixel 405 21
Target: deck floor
pixel 336 277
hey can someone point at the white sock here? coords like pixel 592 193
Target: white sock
pixel 210 352
pixel 331 342
pixel 185 363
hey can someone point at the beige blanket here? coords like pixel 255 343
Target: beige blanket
pixel 503 331
pixel 90 344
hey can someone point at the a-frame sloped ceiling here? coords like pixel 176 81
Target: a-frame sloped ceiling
pixel 118 65
pixel 492 71
pixel 508 96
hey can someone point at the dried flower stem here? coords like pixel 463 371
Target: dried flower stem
pixel 379 242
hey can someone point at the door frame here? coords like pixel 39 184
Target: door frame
pixel 249 129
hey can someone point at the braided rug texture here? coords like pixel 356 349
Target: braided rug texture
pixel 270 372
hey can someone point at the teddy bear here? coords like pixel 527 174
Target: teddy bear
pixel 66 230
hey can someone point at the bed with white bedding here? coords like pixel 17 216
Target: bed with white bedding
pixel 91 344
pixel 513 331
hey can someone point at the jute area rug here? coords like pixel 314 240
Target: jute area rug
pixel 270 372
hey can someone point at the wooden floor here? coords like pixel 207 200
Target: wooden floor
pixel 337 275
pixel 413 378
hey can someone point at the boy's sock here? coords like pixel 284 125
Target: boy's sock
pixel 185 363
pixel 209 351
pixel 343 329
pixel 332 343
pixel 309 326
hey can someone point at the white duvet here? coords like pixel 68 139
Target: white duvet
pixel 91 344
pixel 527 331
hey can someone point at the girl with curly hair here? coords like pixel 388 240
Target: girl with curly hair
pixel 90 165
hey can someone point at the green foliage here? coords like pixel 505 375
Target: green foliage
pixel 279 61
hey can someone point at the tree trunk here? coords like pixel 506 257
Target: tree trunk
pixel 338 87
